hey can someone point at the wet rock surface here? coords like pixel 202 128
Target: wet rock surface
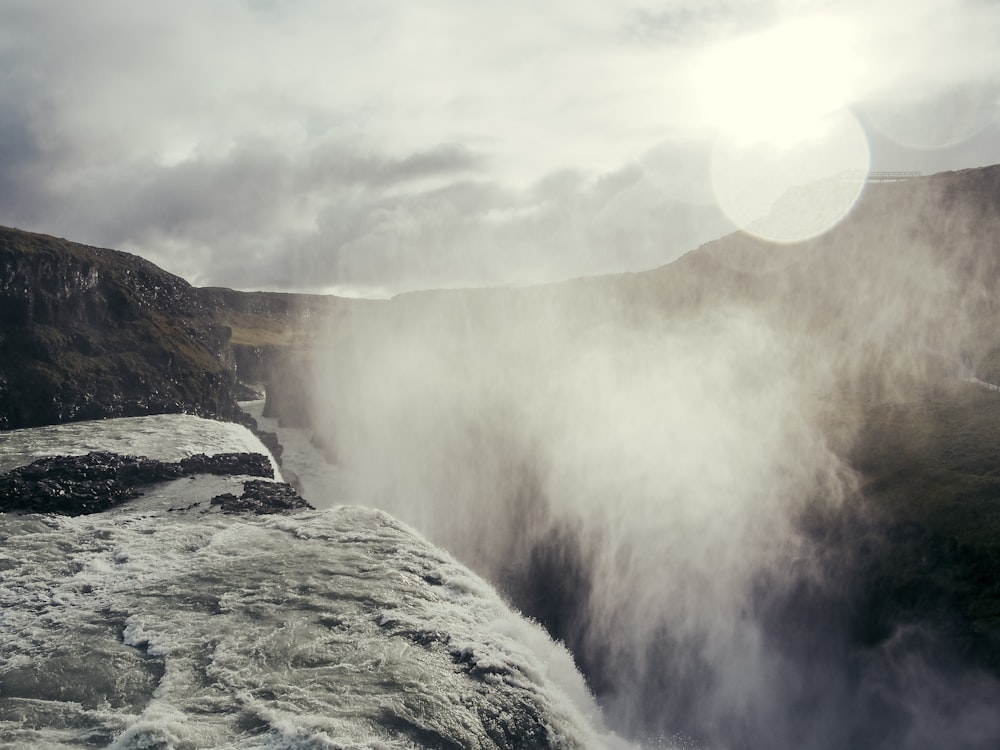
pixel 260 497
pixel 225 464
pixel 89 333
pixel 78 485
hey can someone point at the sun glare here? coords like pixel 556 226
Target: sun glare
pixel 777 86
pixel 789 194
pixel 789 159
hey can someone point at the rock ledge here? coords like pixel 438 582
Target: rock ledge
pixel 98 481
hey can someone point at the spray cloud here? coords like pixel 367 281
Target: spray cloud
pixel 637 460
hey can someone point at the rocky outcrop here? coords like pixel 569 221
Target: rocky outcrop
pixel 79 485
pixel 261 498
pixel 89 333
pixel 92 333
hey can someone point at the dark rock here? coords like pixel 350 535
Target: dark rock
pixel 261 497
pixel 89 333
pixel 247 392
pixel 78 485
pixel 292 478
pixel 228 464
pixel 92 333
pixel 254 363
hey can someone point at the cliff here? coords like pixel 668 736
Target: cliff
pixel 89 333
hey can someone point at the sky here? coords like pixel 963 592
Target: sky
pixel 369 147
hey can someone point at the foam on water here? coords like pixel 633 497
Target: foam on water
pixel 160 628
pixel 166 624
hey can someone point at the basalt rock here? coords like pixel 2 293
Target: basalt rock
pixel 261 498
pixel 247 392
pixel 227 464
pixel 90 333
pixel 79 485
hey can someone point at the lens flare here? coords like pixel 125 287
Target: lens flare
pixel 789 194
pixel 789 159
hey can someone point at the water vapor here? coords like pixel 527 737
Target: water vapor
pixel 656 467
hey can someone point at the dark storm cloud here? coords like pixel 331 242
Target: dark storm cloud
pixel 256 182
pixel 25 159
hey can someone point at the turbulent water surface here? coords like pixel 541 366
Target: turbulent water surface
pixel 166 624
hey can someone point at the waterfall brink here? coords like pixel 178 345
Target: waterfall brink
pixel 170 623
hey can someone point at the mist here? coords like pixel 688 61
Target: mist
pixel 656 467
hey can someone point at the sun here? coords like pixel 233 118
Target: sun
pixel 789 194
pixel 789 158
pixel 777 86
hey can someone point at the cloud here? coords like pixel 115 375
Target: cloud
pixel 468 232
pixel 327 144
pixel 19 153
pixel 686 23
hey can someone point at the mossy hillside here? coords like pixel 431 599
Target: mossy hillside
pixel 90 333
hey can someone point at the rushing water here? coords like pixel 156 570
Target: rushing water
pixel 166 624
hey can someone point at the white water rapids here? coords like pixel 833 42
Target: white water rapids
pixel 166 624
